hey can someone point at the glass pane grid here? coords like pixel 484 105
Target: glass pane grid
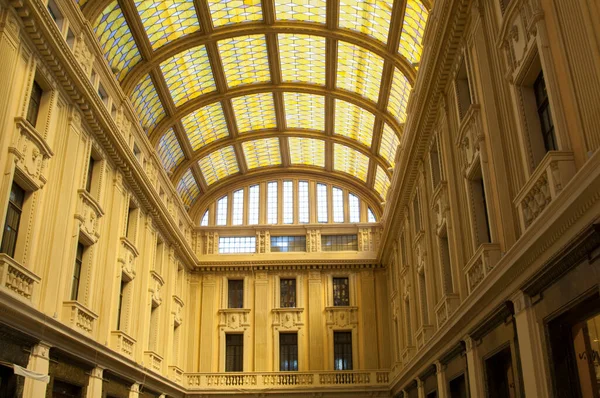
pixel 225 12
pixel 272 209
pixel 253 204
pixel 338 205
pixel 288 202
pixel 389 145
pixel 336 243
pixel 169 151
pixel 354 122
pixel 371 216
pixel 350 161
pixel 254 112
pixel 359 70
pixel 238 207
pixel 371 17
pixel 204 222
pixel 262 153
pixel 301 10
pixel 147 103
pixel 399 94
pixel 188 189
pixel 245 60
pixel 237 244
pixel 167 20
pixel 222 211
pixel 354 208
pixel 304 111
pixel 382 182
pixel 188 75
pixel 302 58
pixel 303 209
pixel 116 40
pixel 307 151
pixel 322 212
pixel 218 164
pixel 413 27
pixel 205 125
pixel 288 244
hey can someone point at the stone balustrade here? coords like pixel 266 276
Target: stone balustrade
pixel 446 307
pixel 17 280
pixel 153 361
pixel 481 264
pixel 79 317
pixel 122 343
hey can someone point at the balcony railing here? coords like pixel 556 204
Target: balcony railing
pixel 16 279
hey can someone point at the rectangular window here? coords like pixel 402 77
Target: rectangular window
pixel 341 292
pixel 288 243
pixel 463 91
pixel 235 293
pixel 234 352
pixel 77 272
pixel 237 244
pixel 458 387
pixel 35 101
pixel 153 332
pixel 543 108
pixel 238 207
pixel 338 205
pixel 288 202
pixel 288 352
pixel 64 389
pixel 354 207
pixel 272 203
pixel 120 307
pixel 90 175
pixel 287 293
pixel 222 211
pixel 303 209
pixel 499 375
pixel 417 214
pixel 481 222
pixel 434 162
pixel 337 243
pixel 322 215
pixel 13 219
pixel 342 350
pixel 253 204
pixel 132 221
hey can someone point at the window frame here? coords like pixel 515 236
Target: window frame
pixel 286 353
pixel 237 354
pixel 346 345
pixel 235 301
pixel 15 208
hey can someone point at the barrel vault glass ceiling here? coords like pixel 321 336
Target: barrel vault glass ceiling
pixel 229 89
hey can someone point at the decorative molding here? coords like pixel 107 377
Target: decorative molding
pixel 17 279
pixel 32 153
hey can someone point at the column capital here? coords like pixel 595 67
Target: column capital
pixel 135 387
pixel 470 343
pixel 439 367
pixel 41 350
pixel 97 372
pixel 520 300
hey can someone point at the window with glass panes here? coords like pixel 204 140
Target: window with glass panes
pixel 288 352
pixel 341 292
pixel 35 101
pixel 272 203
pixel 222 211
pixel 543 108
pixel 371 216
pixel 287 293
pixel 288 243
pixel 322 203
pixel 288 202
pixel 338 205
pixel 235 293
pixel 342 350
pixel 234 352
pixel 13 219
pixel 303 209
pixel 90 174
pixel 354 208
pixel 237 244
pixel 237 217
pixel 204 222
pixel 253 207
pixel 336 243
pixel 77 272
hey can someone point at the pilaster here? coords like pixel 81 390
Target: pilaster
pixel 261 327
pixel 475 367
pixel 94 389
pixel 442 383
pixel 315 320
pixel 39 362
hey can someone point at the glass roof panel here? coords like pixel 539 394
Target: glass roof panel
pixel 116 40
pixel 188 188
pixel 307 151
pixel 389 144
pixel 399 94
pixel 262 153
pixel 218 165
pixel 359 70
pixel 354 122
pixel 205 125
pixel 302 58
pixel 371 17
pixel 147 103
pixel 351 161
pixel 245 60
pixel 254 112
pixel 225 12
pixel 188 75
pixel 81 2
pixel 382 182
pixel 169 151
pixel 167 20
pixel 304 111
pixel 411 38
pixel 301 10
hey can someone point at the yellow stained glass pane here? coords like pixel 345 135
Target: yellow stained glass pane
pixel 225 12
pixel 359 70
pixel 411 38
pixel 188 75
pixel 302 58
pixel 81 2
pixel 382 182
pixel 304 111
pixel 351 161
pixel 205 125
pixel 262 153
pixel 245 60
pixel 254 112
pixel 116 40
pixel 371 17
pixel 389 144
pixel 169 151
pixel 147 103
pixel 167 20
pixel 400 91
pixel 218 165
pixel 354 122
pixel 307 151
pixel 301 10
pixel 188 188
